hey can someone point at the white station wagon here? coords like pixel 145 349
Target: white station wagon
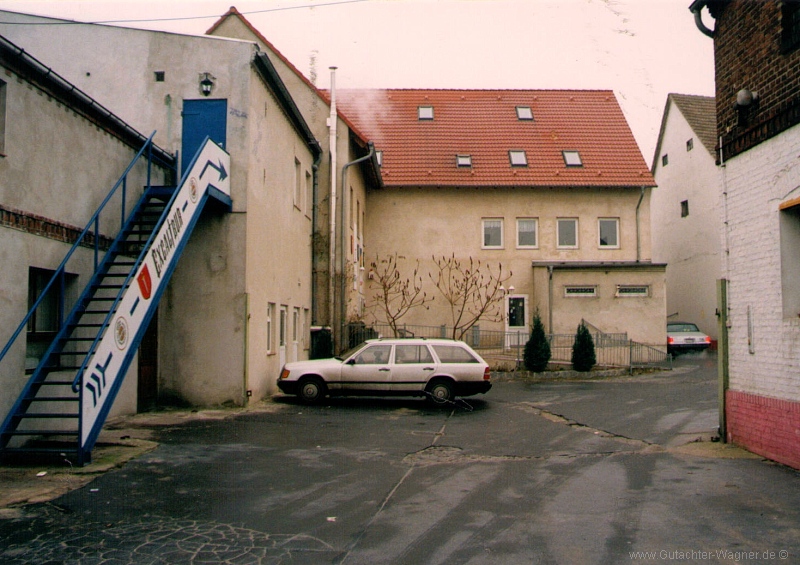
pixel 439 369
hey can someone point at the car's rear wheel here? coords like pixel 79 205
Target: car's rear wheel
pixel 312 390
pixel 440 391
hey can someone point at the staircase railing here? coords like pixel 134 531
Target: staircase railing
pixel 85 236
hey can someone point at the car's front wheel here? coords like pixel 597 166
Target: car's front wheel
pixel 440 391
pixel 312 390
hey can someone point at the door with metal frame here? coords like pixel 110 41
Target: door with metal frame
pixel 517 327
pixel 201 119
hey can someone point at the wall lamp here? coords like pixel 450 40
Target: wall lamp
pixel 745 98
pixel 206 84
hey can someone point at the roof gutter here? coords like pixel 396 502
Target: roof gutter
pixel 696 8
pixel 50 82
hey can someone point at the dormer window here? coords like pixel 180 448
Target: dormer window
pixel 572 159
pixel 518 158
pixel 425 112
pixel 464 160
pixel 524 113
pixel 379 158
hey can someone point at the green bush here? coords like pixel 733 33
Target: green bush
pixel 583 357
pixel 537 350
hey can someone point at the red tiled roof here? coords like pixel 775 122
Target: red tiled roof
pixel 484 124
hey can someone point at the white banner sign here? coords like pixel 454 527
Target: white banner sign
pixel 103 370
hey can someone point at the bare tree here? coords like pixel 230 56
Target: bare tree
pixel 396 295
pixel 472 290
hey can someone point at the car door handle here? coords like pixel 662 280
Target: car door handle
pixel 384 369
pixel 428 368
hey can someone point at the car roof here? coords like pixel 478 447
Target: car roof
pixel 412 340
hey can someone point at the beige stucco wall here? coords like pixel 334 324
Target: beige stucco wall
pixel 57 167
pixel 691 245
pixel 420 223
pixel 277 259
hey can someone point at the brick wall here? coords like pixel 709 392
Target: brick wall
pixel 767 426
pixel 748 54
pixel 45 227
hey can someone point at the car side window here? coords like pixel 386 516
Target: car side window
pixel 374 355
pixel 453 354
pixel 407 354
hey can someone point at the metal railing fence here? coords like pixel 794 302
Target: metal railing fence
pixel 501 348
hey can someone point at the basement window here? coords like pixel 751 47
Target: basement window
pixel 585 291
pixel 518 158
pixel 425 112
pixel 464 160
pixel 524 113
pixel 633 291
pixel 572 159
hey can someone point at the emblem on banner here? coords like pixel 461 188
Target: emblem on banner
pixel 145 283
pixel 121 333
pixel 193 189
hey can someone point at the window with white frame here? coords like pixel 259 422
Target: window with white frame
pixel 270 327
pixel 298 192
pixel 492 233
pixel 464 160
pixel 608 233
pixel 527 233
pixel 580 291
pixel 572 158
pixel 524 113
pixel 425 112
pixel 567 232
pixel 518 158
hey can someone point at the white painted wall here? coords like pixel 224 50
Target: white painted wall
pixel 765 361
pixel 689 245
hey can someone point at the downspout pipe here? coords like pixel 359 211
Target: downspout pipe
pixel 696 8
pixel 343 258
pixel 314 220
pixel 638 233
pixel 332 123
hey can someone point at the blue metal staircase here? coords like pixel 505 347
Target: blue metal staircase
pixel 66 400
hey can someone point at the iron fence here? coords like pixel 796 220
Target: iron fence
pixel 505 349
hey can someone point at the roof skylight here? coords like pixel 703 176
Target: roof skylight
pixel 518 158
pixel 464 160
pixel 572 158
pixel 524 113
pixel 425 112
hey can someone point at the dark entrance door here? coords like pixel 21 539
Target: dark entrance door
pixel 147 390
pixel 202 118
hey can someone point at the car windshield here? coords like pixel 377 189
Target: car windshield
pixel 676 328
pixel 350 352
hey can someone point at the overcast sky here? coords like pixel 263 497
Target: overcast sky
pixel 640 49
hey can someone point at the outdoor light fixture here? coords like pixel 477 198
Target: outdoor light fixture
pixel 745 98
pixel 206 84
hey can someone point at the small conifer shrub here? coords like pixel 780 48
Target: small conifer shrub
pixel 537 349
pixel 583 356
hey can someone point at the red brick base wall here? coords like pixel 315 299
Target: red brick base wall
pixel 766 426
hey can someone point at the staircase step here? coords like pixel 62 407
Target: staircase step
pixel 46 416
pixel 41 433
pixel 54 399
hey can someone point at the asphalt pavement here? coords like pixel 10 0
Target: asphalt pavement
pixel 561 471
